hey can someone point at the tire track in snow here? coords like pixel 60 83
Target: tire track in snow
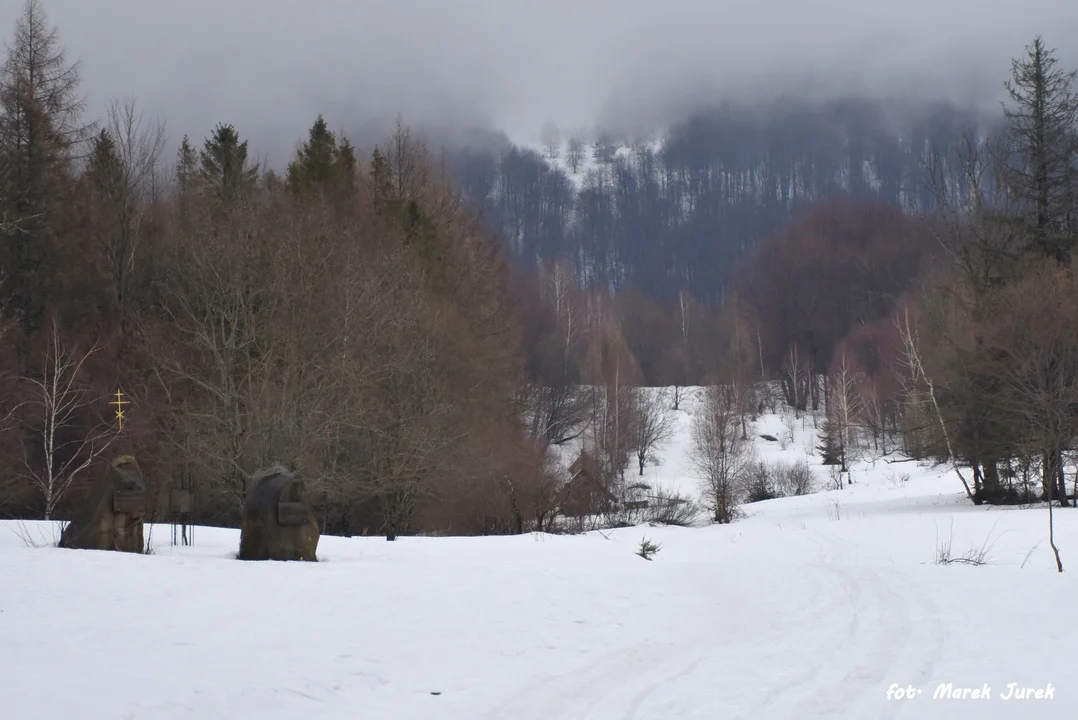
pixel 849 631
pixel 891 642
pixel 599 690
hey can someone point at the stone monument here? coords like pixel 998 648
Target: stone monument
pixel 278 522
pixel 112 518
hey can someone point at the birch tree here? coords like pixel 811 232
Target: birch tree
pixel 915 374
pixel 65 442
pixel 845 404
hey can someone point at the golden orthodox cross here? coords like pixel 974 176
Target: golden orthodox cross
pixel 119 402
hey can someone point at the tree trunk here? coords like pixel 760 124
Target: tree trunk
pixel 1052 538
pixel 1062 481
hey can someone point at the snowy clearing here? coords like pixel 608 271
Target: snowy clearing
pixel 811 606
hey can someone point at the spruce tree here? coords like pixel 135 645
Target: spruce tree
pixel 322 165
pixel 186 166
pixel 313 167
pixel 105 169
pixel 109 194
pixel 224 167
pixel 1041 172
pixel 346 167
pixel 830 447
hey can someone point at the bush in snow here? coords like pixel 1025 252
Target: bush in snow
pixel 648 549
pixel 760 483
pixel 794 478
pixel 767 481
pixel 668 508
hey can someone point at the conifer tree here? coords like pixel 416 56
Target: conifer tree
pixel 224 166
pixel 186 166
pixel 104 168
pixel 322 165
pixel 40 132
pixel 1042 141
pixel 313 166
pixel 111 211
pixel 347 166
pixel 830 447
pixel 381 185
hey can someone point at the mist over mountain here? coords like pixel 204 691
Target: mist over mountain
pixel 269 66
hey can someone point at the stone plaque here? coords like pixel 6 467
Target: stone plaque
pixel 128 502
pixel 291 513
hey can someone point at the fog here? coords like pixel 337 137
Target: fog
pixel 269 66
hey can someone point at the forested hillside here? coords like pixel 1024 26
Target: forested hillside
pixel 418 329
pixel 676 210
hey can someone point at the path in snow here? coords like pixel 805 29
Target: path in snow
pixel 811 607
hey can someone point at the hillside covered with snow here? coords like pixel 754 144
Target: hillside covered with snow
pixel 820 605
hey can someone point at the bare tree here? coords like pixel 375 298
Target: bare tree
pixel 550 136
pixel 574 153
pixel 872 400
pixel 604 149
pixel 796 377
pixel 845 405
pixel 612 425
pixel 1033 354
pixel 554 402
pixel 652 425
pixel 613 371
pixel 720 454
pixel 915 375
pixel 124 180
pixel 972 205
pixel 61 404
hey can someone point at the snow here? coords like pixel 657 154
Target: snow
pixel 588 163
pixel 811 606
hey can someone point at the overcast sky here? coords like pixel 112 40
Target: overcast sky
pixel 269 66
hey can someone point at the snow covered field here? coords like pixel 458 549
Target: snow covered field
pixel 810 607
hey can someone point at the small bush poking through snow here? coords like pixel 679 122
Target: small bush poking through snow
pixel 793 478
pixel 834 510
pixel 973 556
pixel 835 474
pixel 759 483
pixel 39 537
pixel 897 480
pixel 778 479
pixel 648 549
pixel 669 508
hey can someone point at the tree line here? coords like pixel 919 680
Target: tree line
pixel 365 318
pixel 950 334
pixel 678 211
pixel 353 317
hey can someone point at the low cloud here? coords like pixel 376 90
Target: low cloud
pixel 269 66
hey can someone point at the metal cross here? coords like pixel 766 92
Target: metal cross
pixel 119 402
